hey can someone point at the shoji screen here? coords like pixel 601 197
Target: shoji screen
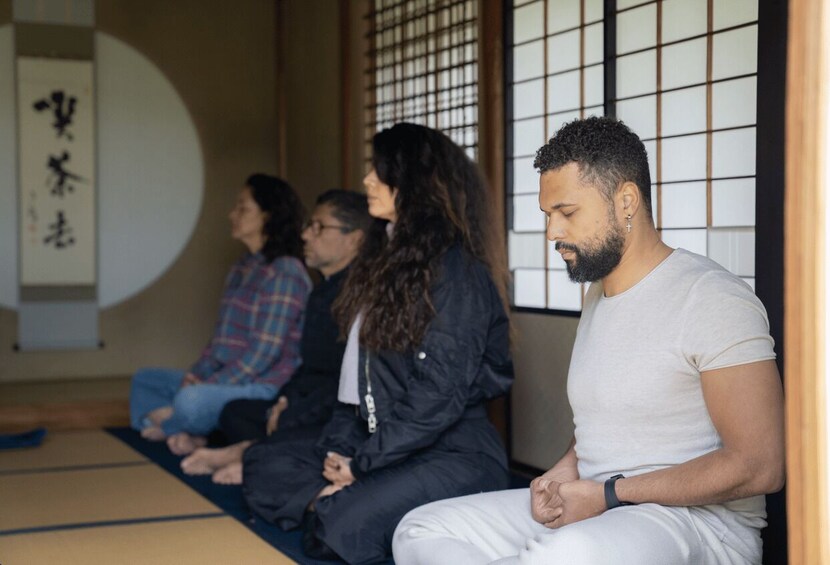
pixel 423 67
pixel 682 74
pixel 686 83
pixel 557 75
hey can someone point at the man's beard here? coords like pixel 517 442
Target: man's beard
pixel 597 259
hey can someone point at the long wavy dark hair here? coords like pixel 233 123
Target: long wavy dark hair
pixel 285 212
pixel 441 200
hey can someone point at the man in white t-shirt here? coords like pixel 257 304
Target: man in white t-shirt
pixel 677 401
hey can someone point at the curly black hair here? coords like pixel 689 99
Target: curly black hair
pixel 442 200
pixel 607 152
pixel 285 213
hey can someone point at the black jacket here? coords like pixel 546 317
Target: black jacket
pixel 433 396
pixel 312 390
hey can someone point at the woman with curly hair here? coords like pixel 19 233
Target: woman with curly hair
pixel 428 345
pixel 255 345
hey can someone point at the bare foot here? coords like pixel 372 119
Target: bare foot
pixel 184 444
pixel 159 415
pixel 229 474
pixel 153 433
pixel 205 461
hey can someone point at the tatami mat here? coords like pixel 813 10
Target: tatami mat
pixel 198 542
pixel 69 449
pixel 93 495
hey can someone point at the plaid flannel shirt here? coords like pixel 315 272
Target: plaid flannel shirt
pixel 257 336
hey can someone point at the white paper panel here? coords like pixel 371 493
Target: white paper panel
pixel 684 205
pixel 594 111
pixel 563 51
pixel 733 103
pixel 683 18
pixel 654 203
pixel 690 240
pixel 639 114
pixel 622 4
pixel 684 111
pixel 529 288
pixel 593 10
pixel 528 22
pixel 651 149
pixel 562 15
pixel 555 260
pixel 526 250
pixel 684 158
pixel 637 74
pixel 594 86
pixel 562 293
pixel 750 281
pixel 636 29
pixel 733 202
pixel 528 61
pixel 733 153
pixel 594 44
pixel 734 249
pixel 563 92
pixel 525 177
pixel 556 121
pixel 526 214
pixel 729 13
pixel 529 99
pixel 684 64
pixel 528 136
pixel 735 52
pixel 8 173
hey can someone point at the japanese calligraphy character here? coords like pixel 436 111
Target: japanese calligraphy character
pixel 60 233
pixel 59 176
pixel 63 107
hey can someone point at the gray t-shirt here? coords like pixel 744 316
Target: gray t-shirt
pixel 634 380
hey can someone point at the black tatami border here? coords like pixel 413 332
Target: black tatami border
pixel 109 523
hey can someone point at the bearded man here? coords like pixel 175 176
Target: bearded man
pixel 677 401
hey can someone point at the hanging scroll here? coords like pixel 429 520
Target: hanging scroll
pixel 57 172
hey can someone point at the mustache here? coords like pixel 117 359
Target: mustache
pixel 566 246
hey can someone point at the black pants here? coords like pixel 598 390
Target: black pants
pixel 282 477
pixel 244 420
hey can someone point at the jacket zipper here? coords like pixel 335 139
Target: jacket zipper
pixel 370 400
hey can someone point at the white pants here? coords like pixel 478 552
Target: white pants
pixel 497 527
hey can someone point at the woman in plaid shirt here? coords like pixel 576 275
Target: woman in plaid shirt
pixel 255 346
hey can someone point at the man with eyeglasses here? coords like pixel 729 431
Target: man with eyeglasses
pixel 332 238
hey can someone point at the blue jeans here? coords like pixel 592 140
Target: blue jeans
pixel 196 408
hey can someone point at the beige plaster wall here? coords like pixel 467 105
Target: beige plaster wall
pixel 313 95
pixel 542 422
pixel 220 56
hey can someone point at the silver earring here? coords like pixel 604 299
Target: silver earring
pixel 628 225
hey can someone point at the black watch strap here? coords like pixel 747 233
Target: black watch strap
pixel 611 500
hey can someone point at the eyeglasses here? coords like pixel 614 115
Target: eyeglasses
pixel 317 227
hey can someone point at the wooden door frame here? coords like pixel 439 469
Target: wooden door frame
pixel 806 178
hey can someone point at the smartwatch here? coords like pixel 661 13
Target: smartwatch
pixel 611 500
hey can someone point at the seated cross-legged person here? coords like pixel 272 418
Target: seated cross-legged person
pixel 255 346
pixel 676 397
pixel 427 346
pixel 332 238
